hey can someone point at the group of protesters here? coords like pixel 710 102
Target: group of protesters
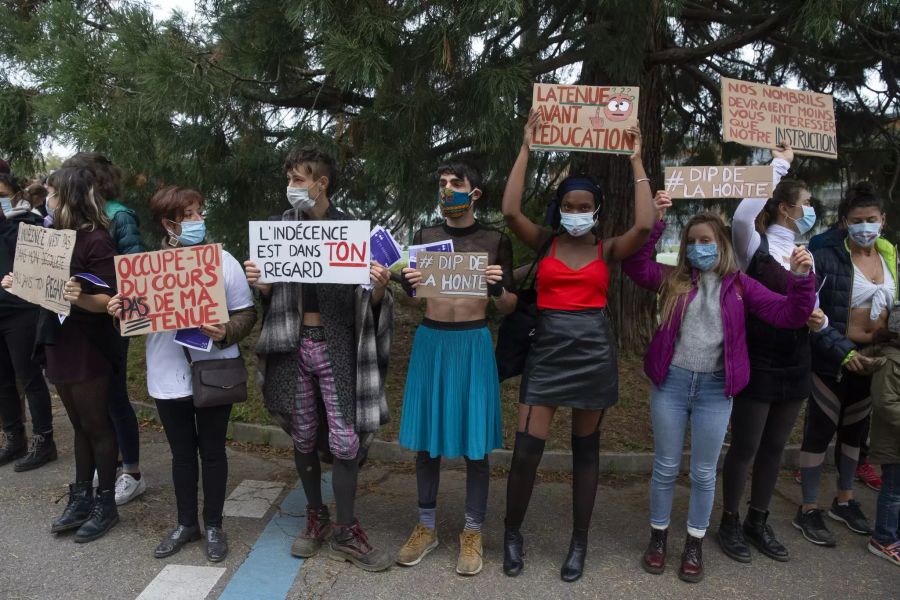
pixel 754 324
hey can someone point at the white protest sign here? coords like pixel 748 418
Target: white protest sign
pixel 41 266
pixel 720 182
pixel 311 251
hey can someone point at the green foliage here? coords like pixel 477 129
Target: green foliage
pixel 391 88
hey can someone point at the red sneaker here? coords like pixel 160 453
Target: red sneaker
pixel 797 477
pixel 866 473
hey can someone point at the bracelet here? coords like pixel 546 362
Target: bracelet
pixel 637 181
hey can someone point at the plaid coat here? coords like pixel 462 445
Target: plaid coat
pixel 358 337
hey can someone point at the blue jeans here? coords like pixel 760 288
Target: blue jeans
pixel 699 398
pixel 887 515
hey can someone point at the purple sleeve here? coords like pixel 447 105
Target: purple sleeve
pixel 790 311
pixel 642 268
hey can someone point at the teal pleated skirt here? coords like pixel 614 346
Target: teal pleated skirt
pixel 451 405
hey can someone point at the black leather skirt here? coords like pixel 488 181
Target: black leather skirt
pixel 572 361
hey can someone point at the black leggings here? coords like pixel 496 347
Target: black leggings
pixel 191 431
pixel 841 407
pixel 86 403
pixel 122 413
pixel 478 479
pixel 17 330
pixel 527 456
pixel 344 475
pixel 759 432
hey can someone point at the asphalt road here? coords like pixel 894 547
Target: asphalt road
pixel 36 565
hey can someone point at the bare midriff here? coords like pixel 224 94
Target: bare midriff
pixel 312 319
pixel 456 310
pixel 861 328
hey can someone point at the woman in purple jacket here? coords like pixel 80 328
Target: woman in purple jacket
pixel 697 361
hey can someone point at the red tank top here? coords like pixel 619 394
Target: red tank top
pixel 560 287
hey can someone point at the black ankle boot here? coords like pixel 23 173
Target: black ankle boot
pixel 731 537
pixel 13 446
pixel 41 450
pixel 760 534
pixel 103 516
pixel 78 509
pixel 574 565
pixel 513 552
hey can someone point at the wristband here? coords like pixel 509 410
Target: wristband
pixel 849 357
pixel 495 289
pixel 637 181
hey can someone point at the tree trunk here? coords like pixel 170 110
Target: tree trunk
pixel 633 309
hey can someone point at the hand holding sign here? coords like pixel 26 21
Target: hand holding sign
pixel 784 151
pixel 662 202
pixel 252 272
pixel 452 274
pixel 7 281
pixel 532 126
pixel 72 290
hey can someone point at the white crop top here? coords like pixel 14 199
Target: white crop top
pixel 878 296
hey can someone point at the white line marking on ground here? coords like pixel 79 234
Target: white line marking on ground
pixel 182 582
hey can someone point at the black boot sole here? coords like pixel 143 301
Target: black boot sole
pixel 14 456
pixel 36 465
pixel 177 548
pixel 652 570
pixel 690 578
pixel 90 538
pixel 734 556
pixel 69 527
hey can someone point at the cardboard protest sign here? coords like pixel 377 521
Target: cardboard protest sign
pixel 41 266
pixel 720 182
pixel 452 274
pixel 585 118
pixel 311 251
pixel 764 116
pixel 177 288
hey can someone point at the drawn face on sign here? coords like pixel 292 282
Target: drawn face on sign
pixel 619 107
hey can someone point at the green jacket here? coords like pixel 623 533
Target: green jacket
pixel 124 228
pixel 884 435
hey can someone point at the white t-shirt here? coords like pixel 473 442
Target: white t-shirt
pixel 168 372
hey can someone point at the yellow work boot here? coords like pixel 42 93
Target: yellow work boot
pixel 421 541
pixel 470 561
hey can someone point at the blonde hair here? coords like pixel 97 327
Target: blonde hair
pixel 680 280
pixel 79 207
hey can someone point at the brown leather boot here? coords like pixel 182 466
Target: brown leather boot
pixel 692 560
pixel 654 560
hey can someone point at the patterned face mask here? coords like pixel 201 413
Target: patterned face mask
pixel 453 204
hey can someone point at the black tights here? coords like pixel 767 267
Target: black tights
pixel 344 475
pixel 534 426
pixel 759 431
pixel 87 404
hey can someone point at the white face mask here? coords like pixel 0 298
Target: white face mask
pixel 577 224
pixel 299 198
pixel 6 204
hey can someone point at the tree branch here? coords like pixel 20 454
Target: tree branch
pixel 682 56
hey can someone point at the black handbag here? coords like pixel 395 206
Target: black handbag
pixel 516 333
pixel 217 382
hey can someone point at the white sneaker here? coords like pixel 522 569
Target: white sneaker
pixel 128 488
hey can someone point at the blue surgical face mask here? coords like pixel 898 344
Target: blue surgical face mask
pixel 806 222
pixel 864 234
pixel 703 256
pixel 192 233
pixel 577 224
pixel 7 204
